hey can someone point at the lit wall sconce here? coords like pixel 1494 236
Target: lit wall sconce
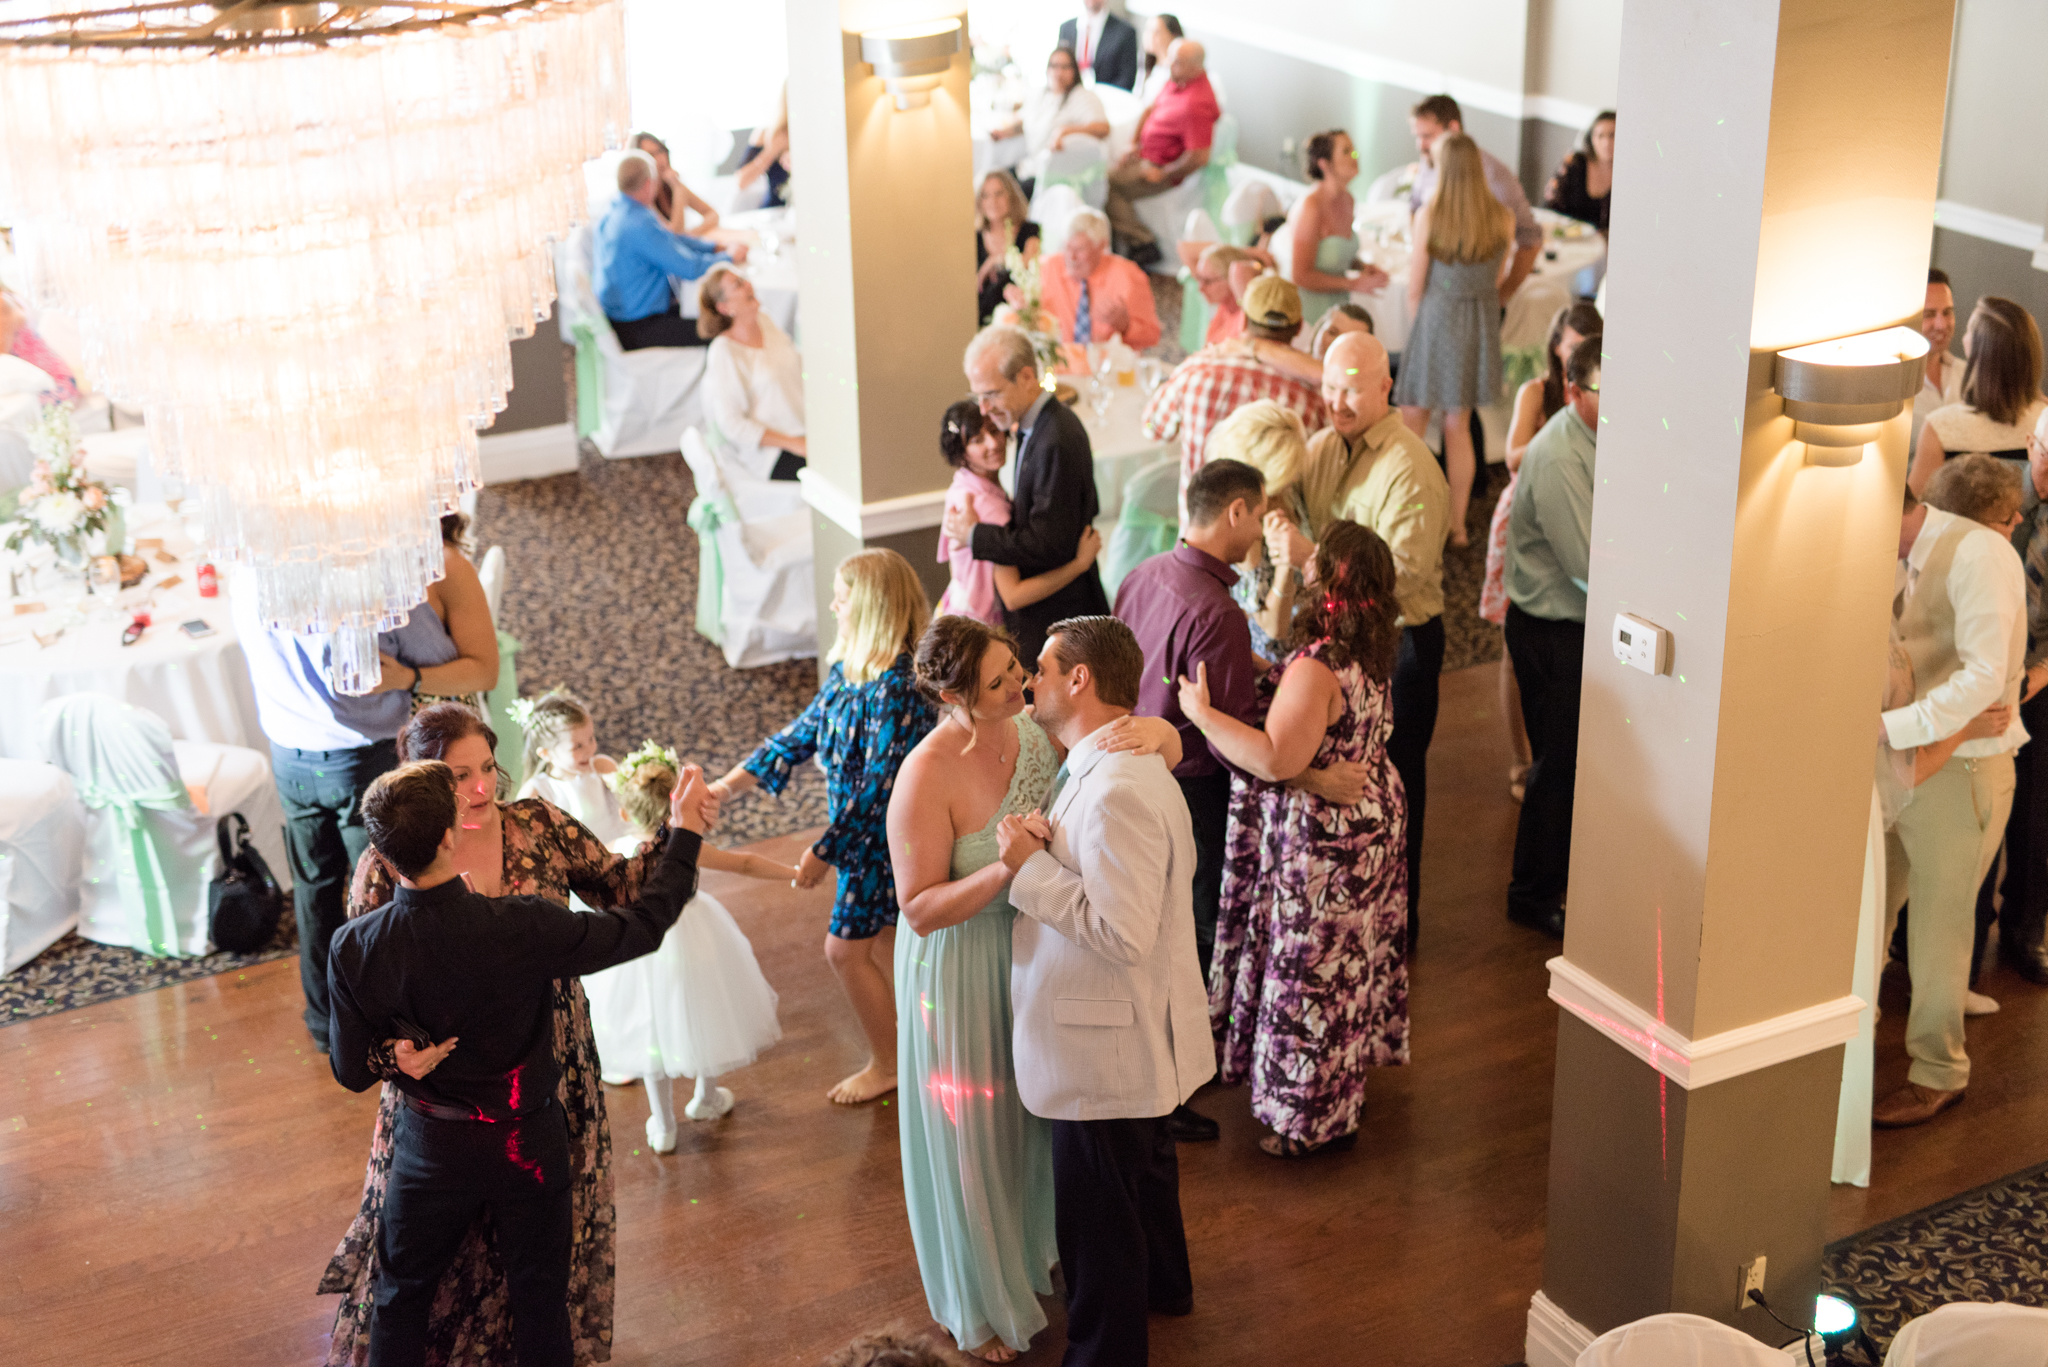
pixel 1839 393
pixel 912 58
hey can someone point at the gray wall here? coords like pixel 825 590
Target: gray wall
pixel 1976 268
pixel 540 388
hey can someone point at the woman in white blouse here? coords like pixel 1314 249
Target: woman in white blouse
pixel 754 386
pixel 2001 392
pixel 1064 109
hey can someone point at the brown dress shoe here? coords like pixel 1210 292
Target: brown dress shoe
pixel 1912 1104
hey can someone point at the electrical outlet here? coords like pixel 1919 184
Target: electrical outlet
pixel 1749 1277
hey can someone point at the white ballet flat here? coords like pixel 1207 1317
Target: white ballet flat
pixel 617 1079
pixel 1977 1004
pixel 658 1139
pixel 712 1107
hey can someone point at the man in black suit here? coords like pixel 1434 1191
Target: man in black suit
pixel 1055 500
pixel 479 1127
pixel 1107 45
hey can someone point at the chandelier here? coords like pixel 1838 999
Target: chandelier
pixel 300 238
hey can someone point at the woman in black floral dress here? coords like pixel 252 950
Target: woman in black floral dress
pixel 510 849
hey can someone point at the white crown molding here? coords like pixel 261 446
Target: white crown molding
pixel 1712 1058
pixel 884 517
pixel 1553 1338
pixel 531 453
pixel 1229 21
pixel 2001 228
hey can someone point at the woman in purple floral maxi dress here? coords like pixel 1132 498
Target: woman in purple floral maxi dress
pixel 1309 986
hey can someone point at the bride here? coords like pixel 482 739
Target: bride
pixel 977 1168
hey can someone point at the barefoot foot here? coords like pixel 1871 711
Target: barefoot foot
pixel 995 1350
pixel 865 1085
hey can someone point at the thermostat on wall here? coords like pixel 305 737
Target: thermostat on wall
pixel 1641 645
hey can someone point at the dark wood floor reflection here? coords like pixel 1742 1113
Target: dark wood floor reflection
pixel 175 1168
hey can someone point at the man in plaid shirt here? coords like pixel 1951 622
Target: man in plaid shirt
pixel 1216 381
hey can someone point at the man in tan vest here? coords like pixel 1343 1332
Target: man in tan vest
pixel 1961 620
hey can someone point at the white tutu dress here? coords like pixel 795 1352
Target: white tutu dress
pixel 698 1006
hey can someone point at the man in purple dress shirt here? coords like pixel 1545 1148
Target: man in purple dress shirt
pixel 1178 605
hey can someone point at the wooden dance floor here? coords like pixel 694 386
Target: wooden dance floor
pixel 175 1168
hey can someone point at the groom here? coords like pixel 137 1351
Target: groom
pixel 1112 1025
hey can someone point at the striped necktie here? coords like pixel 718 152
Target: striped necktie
pixel 1084 321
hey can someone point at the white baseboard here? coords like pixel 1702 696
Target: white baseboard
pixel 1711 1058
pixel 532 453
pixel 1553 1338
pixel 883 517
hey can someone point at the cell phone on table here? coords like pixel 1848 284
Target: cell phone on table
pixel 196 628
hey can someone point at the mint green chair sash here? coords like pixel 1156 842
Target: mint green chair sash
pixel 1194 313
pixel 707 514
pixel 1139 535
pixel 1080 180
pixel 511 754
pixel 145 887
pixel 589 380
pixel 1216 174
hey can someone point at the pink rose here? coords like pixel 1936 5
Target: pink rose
pixel 95 498
pixel 36 489
pixel 42 470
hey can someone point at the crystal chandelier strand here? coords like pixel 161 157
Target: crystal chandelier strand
pixel 305 262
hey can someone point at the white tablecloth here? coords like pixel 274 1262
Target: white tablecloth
pixel 199 686
pixel 771 264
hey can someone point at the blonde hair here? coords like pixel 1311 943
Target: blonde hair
pixel 546 720
pixel 886 613
pixel 643 796
pixel 1270 437
pixel 1466 222
pixel 1013 195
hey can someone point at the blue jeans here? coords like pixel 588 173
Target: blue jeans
pixel 324 835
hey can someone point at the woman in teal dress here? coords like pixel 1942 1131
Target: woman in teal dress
pixel 977 1168
pixel 1325 253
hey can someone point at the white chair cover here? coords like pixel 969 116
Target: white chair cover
pixel 491 571
pixel 1387 185
pixel 1249 205
pixel 42 844
pixel 755 595
pixel 1200 228
pixel 1678 1341
pixel 150 853
pixel 1966 1334
pixel 649 394
pixel 1053 208
pixel 238 779
pixel 1082 163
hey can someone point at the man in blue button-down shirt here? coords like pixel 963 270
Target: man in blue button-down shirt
pixel 638 259
pixel 1550 534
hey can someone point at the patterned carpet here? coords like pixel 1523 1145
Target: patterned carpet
pixel 74 973
pixel 1985 1245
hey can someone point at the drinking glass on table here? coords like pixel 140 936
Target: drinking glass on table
pixel 1099 394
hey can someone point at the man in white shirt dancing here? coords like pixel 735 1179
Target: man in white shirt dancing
pixel 1962 621
pixel 1112 1024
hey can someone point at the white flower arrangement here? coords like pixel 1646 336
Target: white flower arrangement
pixel 60 507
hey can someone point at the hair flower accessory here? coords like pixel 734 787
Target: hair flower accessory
pixel 520 710
pixel 648 754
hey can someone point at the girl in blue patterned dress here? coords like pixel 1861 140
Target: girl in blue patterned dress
pixel 1309 986
pixel 865 719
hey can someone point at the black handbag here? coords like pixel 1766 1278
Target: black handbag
pixel 243 904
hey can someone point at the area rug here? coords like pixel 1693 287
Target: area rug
pixel 1990 1244
pixel 74 973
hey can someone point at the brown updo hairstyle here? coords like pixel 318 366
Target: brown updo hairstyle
pixel 1318 149
pixel 439 725
pixel 949 656
pixel 710 322
pixel 455 531
pixel 1351 604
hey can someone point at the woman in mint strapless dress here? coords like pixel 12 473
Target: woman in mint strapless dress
pixel 1325 251
pixel 977 1167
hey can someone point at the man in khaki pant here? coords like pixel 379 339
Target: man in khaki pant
pixel 1961 621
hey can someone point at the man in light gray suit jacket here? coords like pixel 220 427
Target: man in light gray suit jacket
pixel 1112 1024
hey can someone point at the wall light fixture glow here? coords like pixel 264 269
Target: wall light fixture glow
pixel 912 58
pixel 1839 393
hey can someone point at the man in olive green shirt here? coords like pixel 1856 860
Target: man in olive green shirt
pixel 1549 552
pixel 1392 484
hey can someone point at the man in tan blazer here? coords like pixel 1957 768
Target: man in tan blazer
pixel 1112 1024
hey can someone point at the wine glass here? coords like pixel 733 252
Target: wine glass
pixel 1099 394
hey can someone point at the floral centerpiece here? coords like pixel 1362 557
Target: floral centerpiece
pixel 1026 305
pixel 60 507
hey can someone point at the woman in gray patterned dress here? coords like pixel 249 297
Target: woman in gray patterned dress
pixel 1458 253
pixel 1309 986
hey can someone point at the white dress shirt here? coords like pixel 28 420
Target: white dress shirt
pixel 1088 26
pixel 1111 1020
pixel 1987 587
pixel 748 390
pixel 1933 396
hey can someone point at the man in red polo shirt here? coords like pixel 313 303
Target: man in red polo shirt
pixel 1172 144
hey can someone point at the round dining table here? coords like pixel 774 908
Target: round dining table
pixel 57 640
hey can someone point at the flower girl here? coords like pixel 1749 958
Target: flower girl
pixel 697 1006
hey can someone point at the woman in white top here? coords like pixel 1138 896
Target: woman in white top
pixel 1160 36
pixel 2001 394
pixel 754 386
pixel 1064 109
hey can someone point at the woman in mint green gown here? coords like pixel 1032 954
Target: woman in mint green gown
pixel 1325 250
pixel 977 1167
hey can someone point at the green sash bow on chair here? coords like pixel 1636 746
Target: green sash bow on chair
pixel 589 380
pixel 145 888
pixel 1216 178
pixel 707 514
pixel 1194 313
pixel 1080 180
pixel 511 754
pixel 1140 534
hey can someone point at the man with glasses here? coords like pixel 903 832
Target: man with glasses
pixel 1550 533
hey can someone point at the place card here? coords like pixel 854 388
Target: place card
pixel 149 543
pixel 171 582
pixel 165 557
pixel 27 609
pixel 45 642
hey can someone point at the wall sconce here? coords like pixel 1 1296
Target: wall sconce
pixel 912 58
pixel 1839 393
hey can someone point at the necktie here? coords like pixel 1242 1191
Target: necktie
pixel 1059 781
pixel 1087 47
pixel 1084 324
